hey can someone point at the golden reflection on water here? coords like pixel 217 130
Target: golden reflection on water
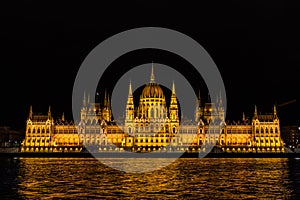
pixel 202 178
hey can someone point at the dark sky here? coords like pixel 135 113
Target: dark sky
pixel 255 45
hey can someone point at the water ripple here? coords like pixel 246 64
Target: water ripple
pixel 205 178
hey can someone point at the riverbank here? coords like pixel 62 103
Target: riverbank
pixel 147 155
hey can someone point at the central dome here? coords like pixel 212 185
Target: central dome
pixel 152 90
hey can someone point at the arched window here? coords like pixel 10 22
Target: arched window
pixel 33 131
pixel 174 129
pixel 276 130
pixel 257 131
pixel 267 130
pixel 271 130
pixel 129 130
pixel 39 130
pixel 261 130
pixel 43 130
pixel 152 113
pixel 167 129
pixel 29 130
pixel 48 130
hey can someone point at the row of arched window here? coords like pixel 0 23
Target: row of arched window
pixel 266 130
pixel 38 130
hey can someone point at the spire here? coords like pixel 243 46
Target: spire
pixel 152 79
pixel 130 90
pixel 255 111
pixel 84 99
pixel 173 88
pixel 244 118
pixel 30 112
pixel 105 98
pixel 275 110
pixel 220 100
pixel 63 117
pixel 49 112
pixel 89 100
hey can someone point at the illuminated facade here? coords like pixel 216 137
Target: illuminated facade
pixel 152 126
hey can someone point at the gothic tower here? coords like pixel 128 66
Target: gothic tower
pixel 106 111
pixel 198 110
pixel 130 106
pixel 174 119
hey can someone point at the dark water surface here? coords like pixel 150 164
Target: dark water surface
pixel 202 178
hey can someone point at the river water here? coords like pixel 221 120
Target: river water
pixel 195 178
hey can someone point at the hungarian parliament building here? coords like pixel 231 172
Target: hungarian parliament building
pixel 152 126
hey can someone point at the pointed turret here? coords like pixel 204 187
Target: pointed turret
pixel 255 111
pixel 63 117
pixel 173 105
pixel 106 112
pixel 198 108
pixel 30 112
pixel 130 89
pixel 199 99
pixel 130 105
pixel 89 99
pixel 49 112
pixel 220 99
pixel 84 99
pixel 105 99
pixel 173 88
pixel 275 111
pixel 243 117
pixel 152 78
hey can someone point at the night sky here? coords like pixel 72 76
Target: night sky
pixel 255 45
